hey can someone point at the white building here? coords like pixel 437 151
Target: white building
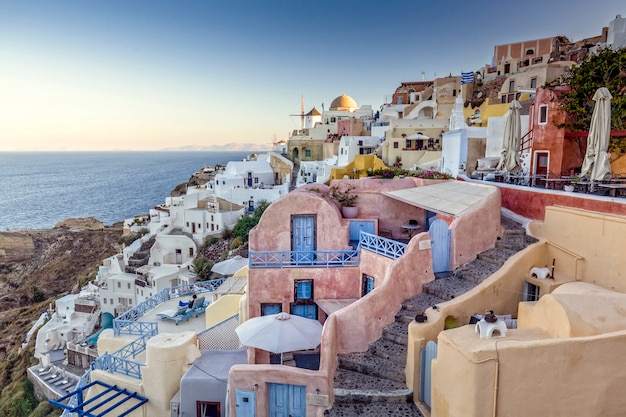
pixel 350 146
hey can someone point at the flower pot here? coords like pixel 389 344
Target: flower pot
pixel 350 212
pixel 568 188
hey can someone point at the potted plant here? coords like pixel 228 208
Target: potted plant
pixel 346 199
pixel 572 183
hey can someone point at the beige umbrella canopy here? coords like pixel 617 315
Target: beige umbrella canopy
pixel 509 158
pixel 596 165
pixel 280 333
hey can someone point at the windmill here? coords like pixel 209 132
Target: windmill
pixel 301 112
pixel 274 142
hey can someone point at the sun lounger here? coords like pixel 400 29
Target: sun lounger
pixel 177 315
pixel 199 307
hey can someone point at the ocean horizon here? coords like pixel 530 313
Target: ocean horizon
pixel 39 189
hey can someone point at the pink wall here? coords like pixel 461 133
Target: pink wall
pixel 475 231
pixel 531 203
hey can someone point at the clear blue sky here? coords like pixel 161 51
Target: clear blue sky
pixel 152 74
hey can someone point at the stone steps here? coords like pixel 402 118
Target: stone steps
pixel 372 383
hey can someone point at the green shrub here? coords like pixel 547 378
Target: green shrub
pixel 238 241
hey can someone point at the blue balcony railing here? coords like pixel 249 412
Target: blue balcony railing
pixel 382 246
pixel 303 259
pixel 108 362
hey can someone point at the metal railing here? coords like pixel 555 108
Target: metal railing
pixel 382 246
pixel 111 363
pixel 73 400
pixel 304 259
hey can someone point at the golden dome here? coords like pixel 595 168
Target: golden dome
pixel 343 102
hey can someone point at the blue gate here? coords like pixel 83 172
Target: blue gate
pixel 287 400
pixel 303 237
pixel 426 357
pixel 440 245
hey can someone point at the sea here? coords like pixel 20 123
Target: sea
pixel 39 189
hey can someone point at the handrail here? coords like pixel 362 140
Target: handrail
pixel 382 246
pixel 304 259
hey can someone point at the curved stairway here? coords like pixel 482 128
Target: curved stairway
pixel 372 383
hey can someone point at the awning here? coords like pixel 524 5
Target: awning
pixel 102 404
pixel 330 306
pixel 449 197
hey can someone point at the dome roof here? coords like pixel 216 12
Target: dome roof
pixel 343 102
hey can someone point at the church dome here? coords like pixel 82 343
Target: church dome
pixel 343 102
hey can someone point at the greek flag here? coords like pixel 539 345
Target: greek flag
pixel 467 77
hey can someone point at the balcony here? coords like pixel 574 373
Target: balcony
pixel 303 259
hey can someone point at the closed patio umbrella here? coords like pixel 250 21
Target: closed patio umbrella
pixel 596 163
pixel 230 266
pixel 509 158
pixel 279 333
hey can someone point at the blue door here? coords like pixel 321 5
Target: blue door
pixel 287 400
pixel 356 227
pixel 440 245
pixel 303 238
pixel 245 402
pixel 427 355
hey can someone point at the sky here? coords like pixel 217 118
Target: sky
pixel 155 74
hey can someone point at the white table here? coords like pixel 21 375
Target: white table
pixel 410 228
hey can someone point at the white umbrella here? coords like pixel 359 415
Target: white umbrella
pixel 417 136
pixel 230 266
pixel 596 163
pixel 509 158
pixel 280 333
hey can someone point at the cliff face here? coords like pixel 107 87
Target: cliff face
pixel 36 267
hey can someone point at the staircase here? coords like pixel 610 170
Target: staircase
pixel 140 257
pixel 372 383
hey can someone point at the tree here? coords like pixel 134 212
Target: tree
pixel 605 69
pixel 202 267
pixel 248 222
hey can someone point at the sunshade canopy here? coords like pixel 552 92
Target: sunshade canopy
pixel 282 332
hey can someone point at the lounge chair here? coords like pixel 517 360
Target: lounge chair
pixel 199 307
pixel 177 315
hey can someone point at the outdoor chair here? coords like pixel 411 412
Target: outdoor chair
pixel 199 307
pixel 177 315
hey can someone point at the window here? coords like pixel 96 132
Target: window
pixel 511 86
pixel 531 292
pixel 368 284
pixel 187 224
pixel 503 99
pixel 130 301
pixel 111 301
pixel 105 300
pixel 137 290
pixel 395 145
pixel 454 92
pixel 307 153
pixel 530 52
pixel 191 252
pixel 128 285
pixel 256 180
pixel 533 83
pixel 303 290
pixel 399 100
pixel 119 284
pixel 333 119
pixel 543 114
pixel 303 304
pixel 271 308
pixel 208 409
pixel 408 143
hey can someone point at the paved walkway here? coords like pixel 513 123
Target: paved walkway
pixel 372 383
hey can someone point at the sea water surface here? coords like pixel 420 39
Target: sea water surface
pixel 39 189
